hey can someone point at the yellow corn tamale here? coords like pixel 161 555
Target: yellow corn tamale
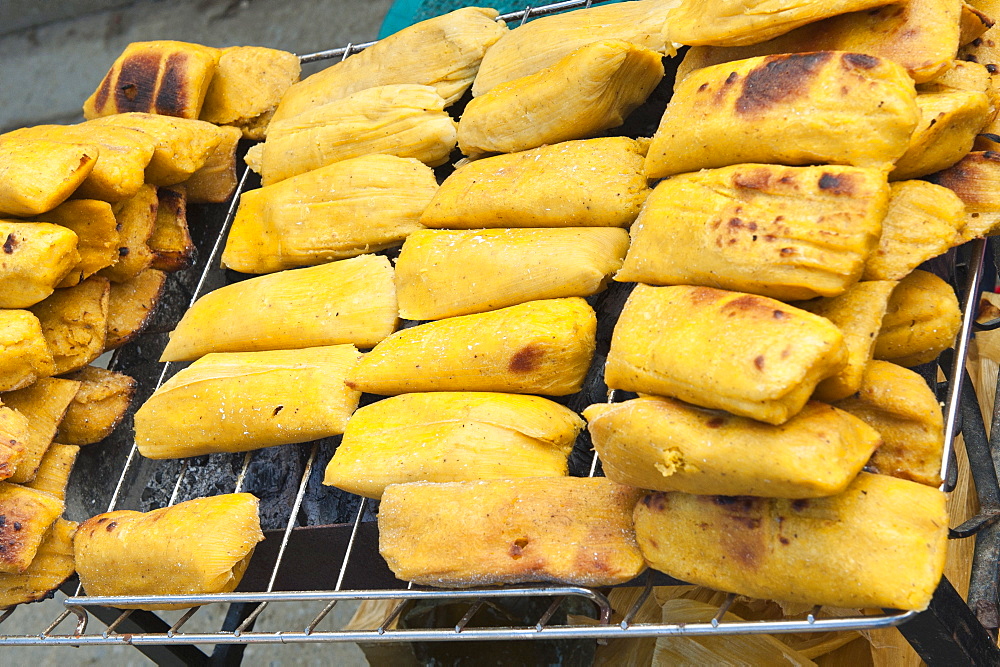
pixel 37 175
pixel 783 232
pixel 170 241
pixel 921 319
pixel 350 301
pixel 539 347
pixel 131 305
pixel 589 90
pixel 216 181
pixel 750 355
pixel 75 322
pixel 53 471
pixel 949 123
pixel 569 530
pixel 98 406
pixel 14 435
pixel 452 437
pixel 27 515
pixel 24 356
pixel 52 565
pixel 44 403
pixel 975 179
pixel 94 224
pixel 36 257
pixel 192 548
pixel 136 220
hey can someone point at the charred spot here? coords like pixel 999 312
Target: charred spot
pixel 750 523
pixel 784 540
pixel 758 179
pixel 653 543
pixel 111 526
pixel 780 315
pixel 17 525
pixel 786 352
pixel 800 504
pixel 735 503
pixel 770 238
pixel 702 88
pixel 859 61
pixel 978 41
pixel 277 410
pixel 715 422
pixel 785 252
pixel 969 58
pixel 122 252
pixel 3 520
pixel 735 223
pixel 526 359
pixel 992 156
pixel 701 295
pixel 992 69
pixel 171 198
pixel 103 91
pixel 758 362
pixel 742 304
pixel 732 78
pixel 173 94
pixel 517 547
pixel 656 502
pixel 778 79
pixel 133 92
pixel 838 184
pixel 9 244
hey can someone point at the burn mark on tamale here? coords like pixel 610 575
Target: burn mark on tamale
pixel 10 244
pixel 133 91
pixel 517 547
pixel 752 179
pixel 705 295
pixel 715 422
pixel 172 98
pixel 859 61
pixel 758 362
pixel 103 91
pixel 779 79
pixel 656 502
pixel 838 184
pixel 527 359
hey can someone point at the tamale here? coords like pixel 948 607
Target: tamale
pixel 52 565
pixel 921 319
pixel 949 123
pixel 452 437
pixel 343 210
pixel 962 75
pixel 25 516
pixel 589 183
pixel 94 224
pixel 443 52
pixel 589 90
pixel 75 322
pixel 136 220
pixel 666 445
pixel 973 24
pixel 14 434
pixel 36 257
pixel 790 109
pixel 37 175
pixel 53 471
pixel 783 232
pixel 43 404
pixel 196 547
pixel 98 407
pixel 162 77
pixel 240 401
pixel 350 301
pixel 131 305
pixel 880 543
pixel 923 221
pixel 975 179
pixel 568 530
pixel 248 83
pixel 404 120
pixel 898 403
pixel 539 347
pixel 441 273
pixel 24 356
pixel 215 182
pixel 170 241
pixel 750 355
pixel 858 314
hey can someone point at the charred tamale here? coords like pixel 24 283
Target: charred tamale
pixel 170 241
pixel 791 109
pixel 588 183
pixel 784 232
pixel 51 566
pixel 75 322
pixel 949 123
pixel 443 52
pixel 442 273
pixel 94 224
pixel 195 547
pixel 666 445
pixel 44 403
pixel 36 257
pixel 883 541
pixel 568 530
pixel 975 179
pixel 215 182
pixel 53 471
pixel 899 404
pixel 99 405
pixel 24 356
pixel 750 355
pixel 14 434
pixel 539 347
pixel 131 305
pixel 37 175
pixel 239 401
pixel 345 209
pixel 921 319
pixel 451 437
pixel 136 220
pixel 589 90
pixel 350 301
pixel 27 515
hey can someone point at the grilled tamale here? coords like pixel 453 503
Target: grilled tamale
pixel 666 445
pixel 239 401
pixel 589 90
pixel 442 273
pixel 161 77
pixel 949 123
pixel 14 434
pixel 99 405
pixel 52 565
pixel 858 314
pixel 739 22
pixel 94 224
pixel 248 83
pixel 53 472
pixel 542 42
pixel 25 516
pixel 973 24
pixel 36 257
pixel 568 530
pixel 921 319
pixel 43 404
pixel 975 179
pixel 923 221
pixel 443 52
pixel 136 220
pixel 962 75
pixel 589 183
pixel 790 109
pixel 350 301
pixel 899 404
pixel 880 543
pixel 75 322
pixel 452 437
pixel 37 175
pixel 345 209
pixel 196 547
pixel 131 305
pixel 784 232
pixel 170 241
pixel 539 347
pixel 24 356
pixel 183 145
pixel 750 355
pixel 215 182
pixel 404 120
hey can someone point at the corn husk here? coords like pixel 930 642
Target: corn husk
pixel 53 471
pixel 98 407
pixel 215 182
pixel 44 403
pixel 975 179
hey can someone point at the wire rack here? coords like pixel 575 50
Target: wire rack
pixel 311 529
